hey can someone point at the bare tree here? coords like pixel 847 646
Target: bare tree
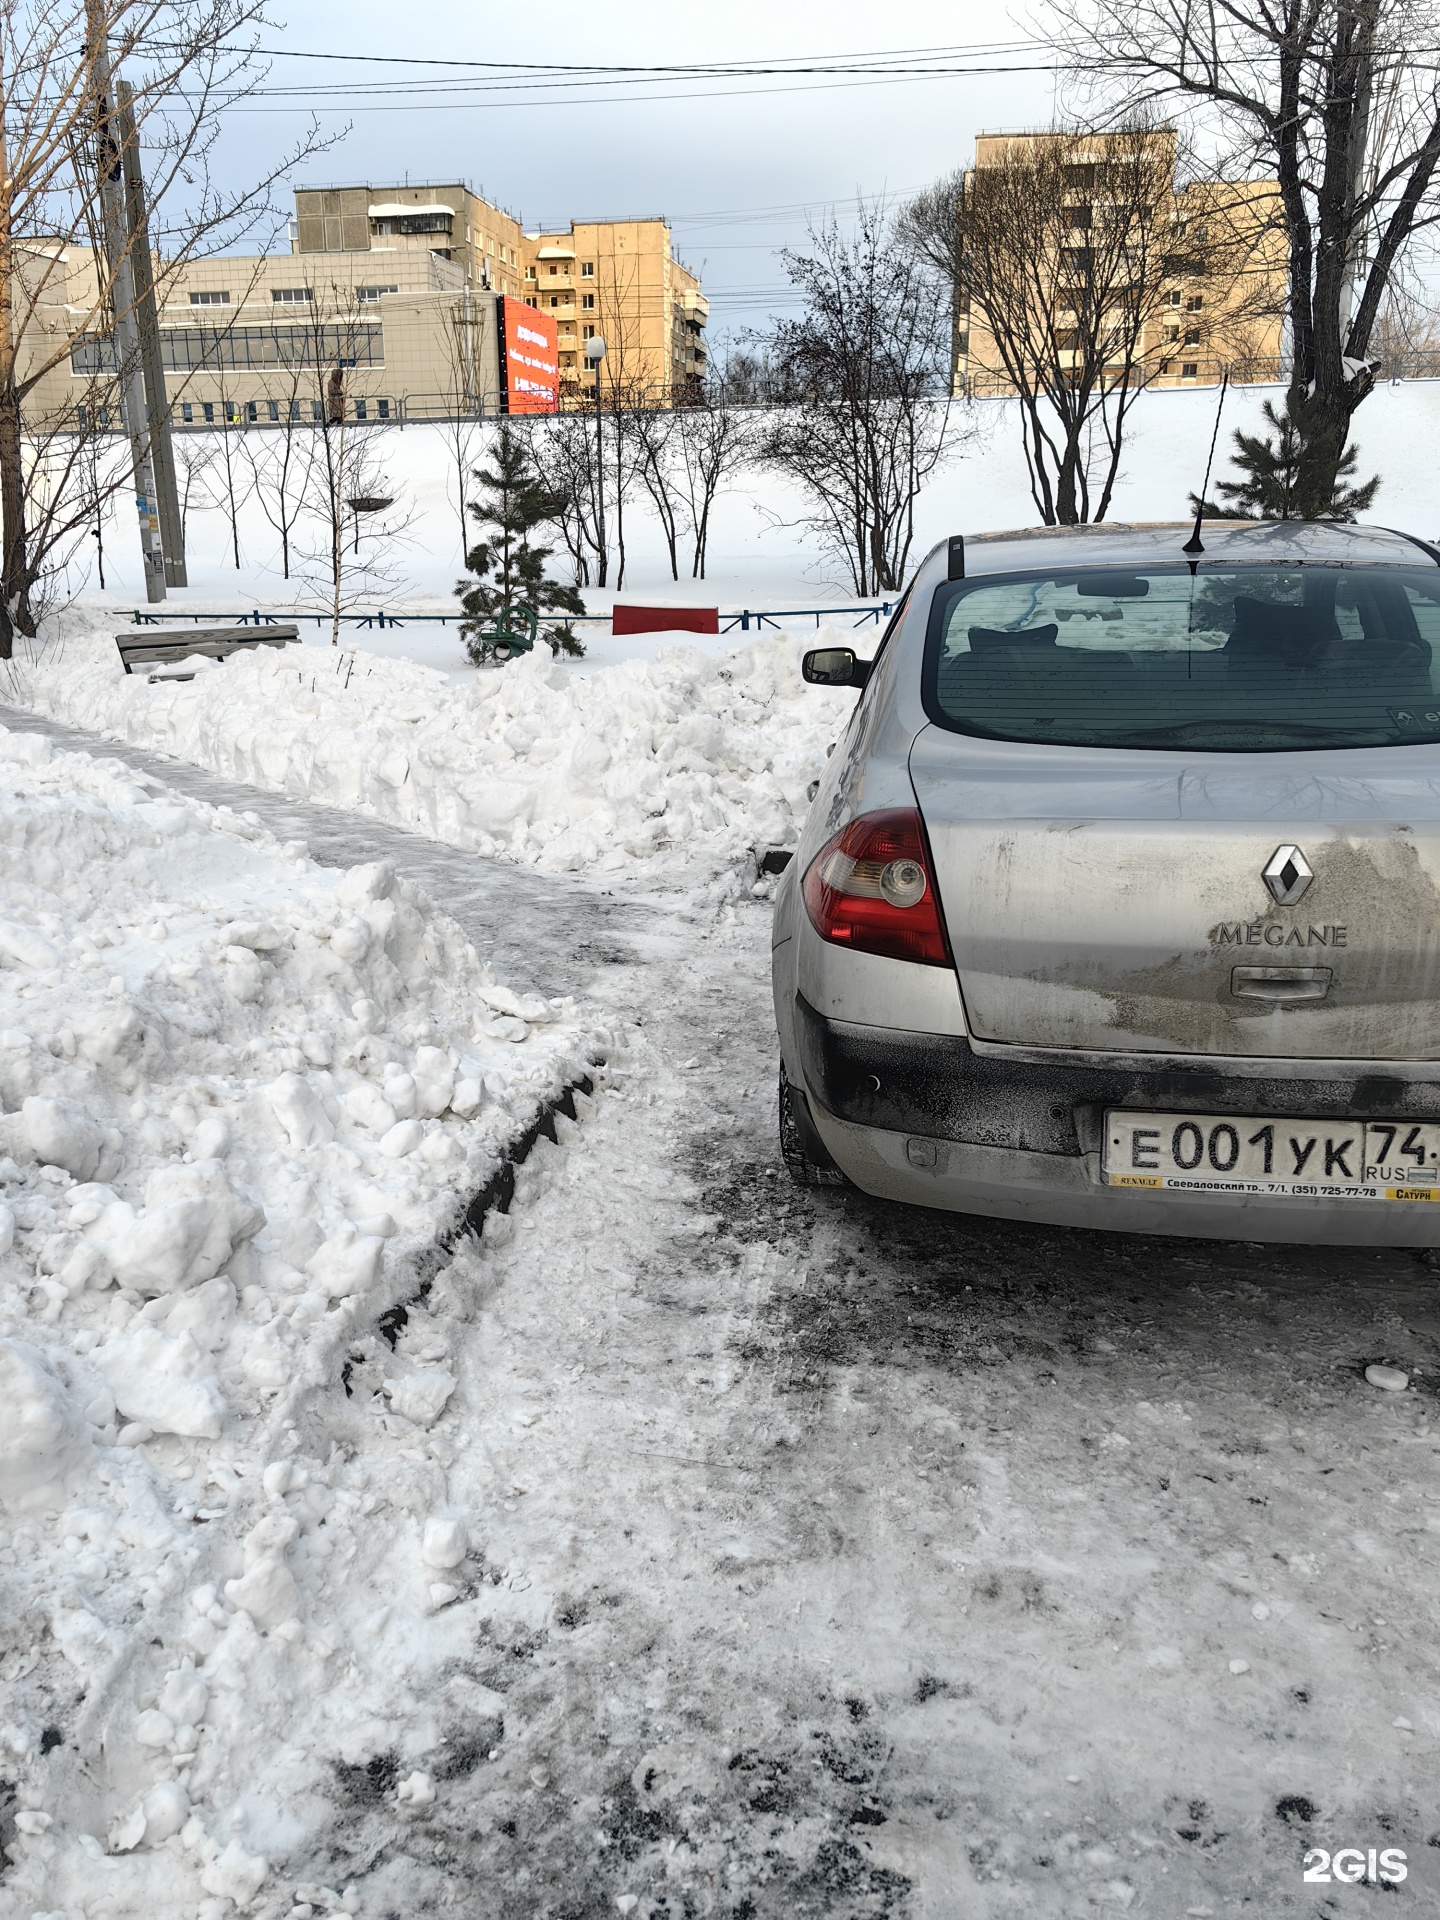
pixel 350 495
pixel 278 459
pixel 1330 98
pixel 463 427
pixel 656 444
pixel 710 441
pixel 194 459
pixel 563 448
pixel 1065 250
pixel 189 60
pixel 864 375
pixel 232 475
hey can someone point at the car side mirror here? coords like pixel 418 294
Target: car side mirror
pixel 834 667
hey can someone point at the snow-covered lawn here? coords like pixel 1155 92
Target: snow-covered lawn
pixel 673 770
pixel 241 1100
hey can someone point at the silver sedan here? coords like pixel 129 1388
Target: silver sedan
pixel 1119 903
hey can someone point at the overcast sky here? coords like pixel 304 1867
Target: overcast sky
pixel 735 165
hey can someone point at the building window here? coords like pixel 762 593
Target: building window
pixel 207 407
pixel 354 343
pixel 1192 337
pixel 529 273
pixel 587 333
pixel 1165 366
pixel 272 410
pixel 413 223
pixel 587 300
pixel 552 269
pixel 209 299
pixel 1188 369
pixel 1172 299
pixel 187 412
pixel 587 270
pixel 382 407
pixel 1172 333
pixel 292 296
pixel 1195 303
pixel 252 412
pixel 363 294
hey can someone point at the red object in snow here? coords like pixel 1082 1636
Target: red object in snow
pixel 665 620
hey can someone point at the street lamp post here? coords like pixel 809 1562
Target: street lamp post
pixel 595 353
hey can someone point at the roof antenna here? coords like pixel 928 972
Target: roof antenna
pixel 1194 544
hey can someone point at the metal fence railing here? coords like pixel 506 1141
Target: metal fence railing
pixel 743 619
pixel 1199 370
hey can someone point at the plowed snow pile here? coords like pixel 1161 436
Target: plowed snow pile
pixel 676 770
pixel 240 1096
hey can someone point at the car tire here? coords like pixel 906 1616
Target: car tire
pixel 806 1160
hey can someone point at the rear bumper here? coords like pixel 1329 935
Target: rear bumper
pixel 936 1121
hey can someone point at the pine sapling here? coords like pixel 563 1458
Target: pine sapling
pixel 1269 473
pixel 509 584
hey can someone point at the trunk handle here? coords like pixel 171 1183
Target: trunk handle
pixel 1279 984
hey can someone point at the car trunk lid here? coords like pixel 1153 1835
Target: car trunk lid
pixel 1115 901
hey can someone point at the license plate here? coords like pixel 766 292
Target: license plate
pixel 1287 1159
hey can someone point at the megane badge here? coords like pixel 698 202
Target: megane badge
pixel 1287 874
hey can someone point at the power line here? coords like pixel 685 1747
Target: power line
pixel 436 105
pixel 823 63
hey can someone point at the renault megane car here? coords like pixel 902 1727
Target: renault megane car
pixel 1119 902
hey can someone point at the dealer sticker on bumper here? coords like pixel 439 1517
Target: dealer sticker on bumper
pixel 1288 1159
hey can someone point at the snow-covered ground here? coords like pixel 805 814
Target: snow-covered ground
pixel 242 1101
pixel 826 1558
pixel 760 554
pixel 675 771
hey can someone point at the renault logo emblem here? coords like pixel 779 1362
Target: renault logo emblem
pixel 1287 874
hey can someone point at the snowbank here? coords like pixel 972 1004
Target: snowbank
pixel 671 770
pixel 240 1096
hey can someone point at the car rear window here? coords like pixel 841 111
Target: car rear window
pixel 1219 660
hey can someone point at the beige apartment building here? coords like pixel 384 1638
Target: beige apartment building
pixel 620 279
pixel 394 289
pixel 397 223
pixel 1224 261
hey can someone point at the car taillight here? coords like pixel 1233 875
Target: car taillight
pixel 872 889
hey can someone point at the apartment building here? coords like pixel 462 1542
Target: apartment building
pixel 620 279
pixel 449 223
pixel 1223 258
pixel 398 291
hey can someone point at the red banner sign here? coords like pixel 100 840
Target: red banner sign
pixel 529 358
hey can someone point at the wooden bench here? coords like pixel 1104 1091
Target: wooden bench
pixel 147 646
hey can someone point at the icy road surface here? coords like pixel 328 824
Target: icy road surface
pixel 846 1560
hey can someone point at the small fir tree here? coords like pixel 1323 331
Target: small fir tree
pixel 1269 472
pixel 509 580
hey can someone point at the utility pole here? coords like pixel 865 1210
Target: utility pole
pixel 595 353
pixel 125 333
pixel 147 322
